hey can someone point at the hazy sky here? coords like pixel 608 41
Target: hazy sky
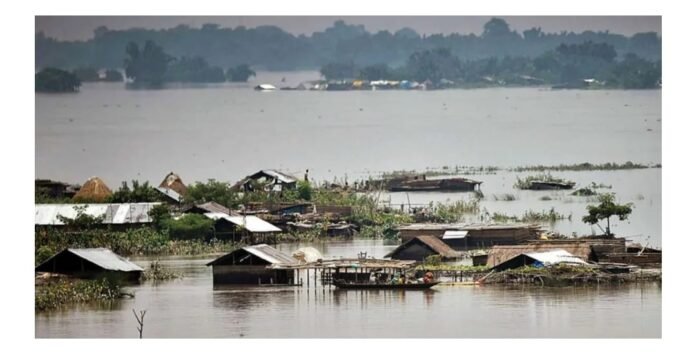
pixel 81 27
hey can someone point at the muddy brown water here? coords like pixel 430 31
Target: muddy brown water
pixel 228 131
pixel 191 308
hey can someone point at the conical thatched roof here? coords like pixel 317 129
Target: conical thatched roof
pixel 94 190
pixel 174 182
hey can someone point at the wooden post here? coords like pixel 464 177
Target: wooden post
pixel 307 277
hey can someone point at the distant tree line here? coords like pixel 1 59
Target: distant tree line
pixel 152 66
pixel 269 47
pixel 573 65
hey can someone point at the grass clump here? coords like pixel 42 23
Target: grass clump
pixel 64 292
pixel 158 273
pixel 504 197
pixel 531 216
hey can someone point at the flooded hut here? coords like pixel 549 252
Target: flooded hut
pixel 91 263
pixel 252 265
pixel 94 190
pixel 500 254
pixel 266 180
pixel 421 184
pixel 540 259
pixel 462 237
pixel 420 247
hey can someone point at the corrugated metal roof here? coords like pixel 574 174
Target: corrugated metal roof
pixel 249 222
pixel 550 258
pixel 270 254
pixel 451 235
pixel 262 251
pixel 170 193
pixel 105 258
pixel 127 213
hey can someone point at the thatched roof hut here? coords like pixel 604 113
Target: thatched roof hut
pixel 173 181
pixel 94 190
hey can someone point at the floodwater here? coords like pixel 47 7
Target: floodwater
pixel 227 131
pixel 191 308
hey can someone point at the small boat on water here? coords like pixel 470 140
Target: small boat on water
pixel 346 285
pixel 265 87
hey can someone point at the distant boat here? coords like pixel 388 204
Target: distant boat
pixel 265 87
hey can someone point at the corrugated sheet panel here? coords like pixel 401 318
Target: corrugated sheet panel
pixel 451 235
pixel 249 222
pixel 127 213
pixel 171 193
pixel 554 257
pixel 105 258
pixel 282 177
pixel 270 254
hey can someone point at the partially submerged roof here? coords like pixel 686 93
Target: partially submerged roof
pixel 248 222
pixel 432 242
pixel 264 252
pixel 547 258
pixel 102 257
pixel 125 213
pixel 499 254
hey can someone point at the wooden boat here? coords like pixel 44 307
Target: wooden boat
pixel 346 285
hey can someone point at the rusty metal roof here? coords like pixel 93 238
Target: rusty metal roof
pixel 102 257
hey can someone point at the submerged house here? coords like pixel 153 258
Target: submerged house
pixel 550 185
pixel 91 263
pixel 416 184
pixel 267 180
pixel 94 190
pixel 209 207
pixel 253 265
pixel 420 247
pixel 540 259
pixel 500 254
pixel 462 237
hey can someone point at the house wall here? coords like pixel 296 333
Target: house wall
pixel 250 274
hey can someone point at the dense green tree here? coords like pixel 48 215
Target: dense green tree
pixel 434 65
pixel 139 193
pixel 54 80
pixel 333 71
pixel 240 73
pixel 375 72
pixel 212 190
pixel 112 75
pixel 193 70
pixel 636 73
pixel 147 66
pixel 606 208
pixel 87 74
